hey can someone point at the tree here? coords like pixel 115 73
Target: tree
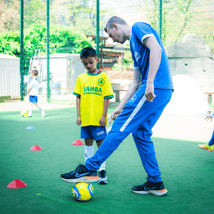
pixel 175 16
pixel 180 17
pixel 80 14
pixel 34 12
pixel 9 15
pixel 62 40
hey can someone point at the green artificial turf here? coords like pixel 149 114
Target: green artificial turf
pixel 187 171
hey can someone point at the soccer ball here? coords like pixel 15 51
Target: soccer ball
pixel 24 112
pixel 82 191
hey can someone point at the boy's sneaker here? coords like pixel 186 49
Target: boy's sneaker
pixel 102 177
pixel 43 114
pixel 28 115
pixel 157 189
pixel 206 147
pixel 80 174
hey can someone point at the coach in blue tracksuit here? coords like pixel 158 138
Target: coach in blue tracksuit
pixel 143 104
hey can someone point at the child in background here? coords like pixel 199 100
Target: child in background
pixel 93 91
pixel 209 146
pixel 32 91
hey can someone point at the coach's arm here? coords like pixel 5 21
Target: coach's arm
pixel 132 89
pixel 154 62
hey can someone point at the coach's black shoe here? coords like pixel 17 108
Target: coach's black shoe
pixel 80 174
pixel 157 189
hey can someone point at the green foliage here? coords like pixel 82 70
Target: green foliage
pixel 117 67
pixel 127 59
pixel 62 40
pixel 10 43
pixel 126 63
pixel 34 11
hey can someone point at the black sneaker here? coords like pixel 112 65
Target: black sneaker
pixel 80 174
pixel 102 177
pixel 157 189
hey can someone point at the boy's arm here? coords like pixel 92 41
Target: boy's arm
pixel 105 111
pixel 78 121
pixel 29 87
pixel 28 91
pixel 210 115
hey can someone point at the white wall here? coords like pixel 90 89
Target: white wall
pixel 10 77
pixel 64 69
pixel 199 69
pixel 187 99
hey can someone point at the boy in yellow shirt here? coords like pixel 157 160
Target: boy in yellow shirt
pixel 93 91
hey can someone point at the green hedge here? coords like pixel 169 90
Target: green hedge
pixel 62 40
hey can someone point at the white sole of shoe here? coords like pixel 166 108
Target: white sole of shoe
pixel 152 192
pixel 141 192
pixel 86 179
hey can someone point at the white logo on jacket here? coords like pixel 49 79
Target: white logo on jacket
pixel 137 55
pixel 133 98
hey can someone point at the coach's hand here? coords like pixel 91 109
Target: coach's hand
pixel 114 115
pixel 149 93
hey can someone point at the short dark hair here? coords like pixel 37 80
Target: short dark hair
pixel 112 20
pixel 88 52
pixel 35 72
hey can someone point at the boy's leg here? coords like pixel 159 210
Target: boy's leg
pixel 89 148
pixel 92 176
pixel 135 113
pixel 89 151
pixel 30 110
pixel 40 108
pixel 102 169
pixel 99 134
pixel 210 146
pixel 31 101
pixel 211 142
pixel 103 165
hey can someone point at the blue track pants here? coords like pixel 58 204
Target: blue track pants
pixel 138 117
pixel 211 142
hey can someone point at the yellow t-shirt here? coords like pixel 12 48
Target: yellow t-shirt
pixel 92 90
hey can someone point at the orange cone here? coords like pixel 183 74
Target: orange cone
pixel 16 184
pixel 36 148
pixel 77 142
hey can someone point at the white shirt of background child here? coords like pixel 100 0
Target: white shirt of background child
pixel 34 87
